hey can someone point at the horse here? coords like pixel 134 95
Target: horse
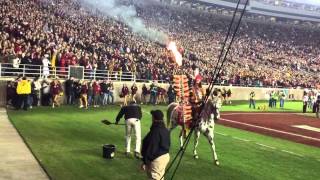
pixel 205 125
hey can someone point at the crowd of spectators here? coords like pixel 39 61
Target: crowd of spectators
pixel 264 53
pixel 25 93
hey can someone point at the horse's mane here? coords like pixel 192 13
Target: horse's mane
pixel 208 109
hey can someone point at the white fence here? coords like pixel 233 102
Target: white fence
pixel 11 70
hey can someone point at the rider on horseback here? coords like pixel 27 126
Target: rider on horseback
pixel 196 98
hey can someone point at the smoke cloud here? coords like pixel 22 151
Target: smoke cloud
pixel 127 15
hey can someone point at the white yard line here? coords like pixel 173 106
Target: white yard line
pixel 290 152
pixel 221 134
pixel 263 145
pixel 240 139
pixel 248 113
pixel 307 127
pixel 270 129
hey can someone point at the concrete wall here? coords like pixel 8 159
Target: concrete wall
pixel 238 93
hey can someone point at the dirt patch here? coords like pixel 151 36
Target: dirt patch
pixel 275 124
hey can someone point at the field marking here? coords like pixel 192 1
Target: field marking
pixel 221 134
pixel 240 139
pixel 270 129
pixel 263 145
pixel 290 152
pixel 240 113
pixel 310 128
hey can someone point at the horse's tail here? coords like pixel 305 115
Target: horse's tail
pixel 169 113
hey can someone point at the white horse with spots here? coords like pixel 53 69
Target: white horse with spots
pixel 205 125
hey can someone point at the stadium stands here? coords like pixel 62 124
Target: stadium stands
pixel 265 53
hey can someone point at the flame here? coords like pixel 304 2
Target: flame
pixel 177 56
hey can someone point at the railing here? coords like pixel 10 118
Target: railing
pixel 28 70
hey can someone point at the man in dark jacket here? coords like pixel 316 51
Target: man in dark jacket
pixel 171 94
pixel 155 147
pixel 104 92
pixel 69 85
pixel 132 114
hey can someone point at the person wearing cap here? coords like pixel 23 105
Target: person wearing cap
pixel 132 114
pixel 155 147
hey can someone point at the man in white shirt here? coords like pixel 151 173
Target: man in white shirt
pixel 46 63
pixel 305 102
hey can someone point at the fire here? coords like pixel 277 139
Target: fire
pixel 177 56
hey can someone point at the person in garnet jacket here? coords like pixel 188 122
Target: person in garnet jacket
pixel 56 91
pixel 125 94
pixel 96 93
pixel 134 90
pixel 84 95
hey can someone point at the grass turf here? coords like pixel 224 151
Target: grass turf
pixel 68 142
pixel 289 106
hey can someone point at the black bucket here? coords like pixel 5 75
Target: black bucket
pixel 108 151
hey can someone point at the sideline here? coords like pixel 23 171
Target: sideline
pixel 17 161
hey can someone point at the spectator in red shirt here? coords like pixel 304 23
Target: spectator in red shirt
pixel 125 94
pixel 56 91
pixel 96 93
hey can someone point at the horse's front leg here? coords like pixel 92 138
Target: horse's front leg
pixel 210 136
pixel 196 142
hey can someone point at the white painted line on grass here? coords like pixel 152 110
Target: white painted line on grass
pixel 221 134
pixel 270 129
pixel 249 113
pixel 290 152
pixel 310 128
pixel 240 139
pixel 263 145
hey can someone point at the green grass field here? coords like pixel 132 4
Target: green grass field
pixel 68 142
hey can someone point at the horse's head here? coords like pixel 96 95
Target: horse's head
pixel 213 108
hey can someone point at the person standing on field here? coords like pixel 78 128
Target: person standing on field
pixel 305 102
pixel 134 90
pixel 144 94
pixel 132 114
pixel 252 101
pixel 155 148
pixel 317 106
pixel 23 91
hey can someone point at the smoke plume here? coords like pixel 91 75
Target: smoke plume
pixel 127 15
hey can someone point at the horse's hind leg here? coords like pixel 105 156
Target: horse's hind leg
pixel 181 138
pixel 210 136
pixel 196 142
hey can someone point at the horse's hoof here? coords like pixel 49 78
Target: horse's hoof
pixel 196 156
pixel 216 162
